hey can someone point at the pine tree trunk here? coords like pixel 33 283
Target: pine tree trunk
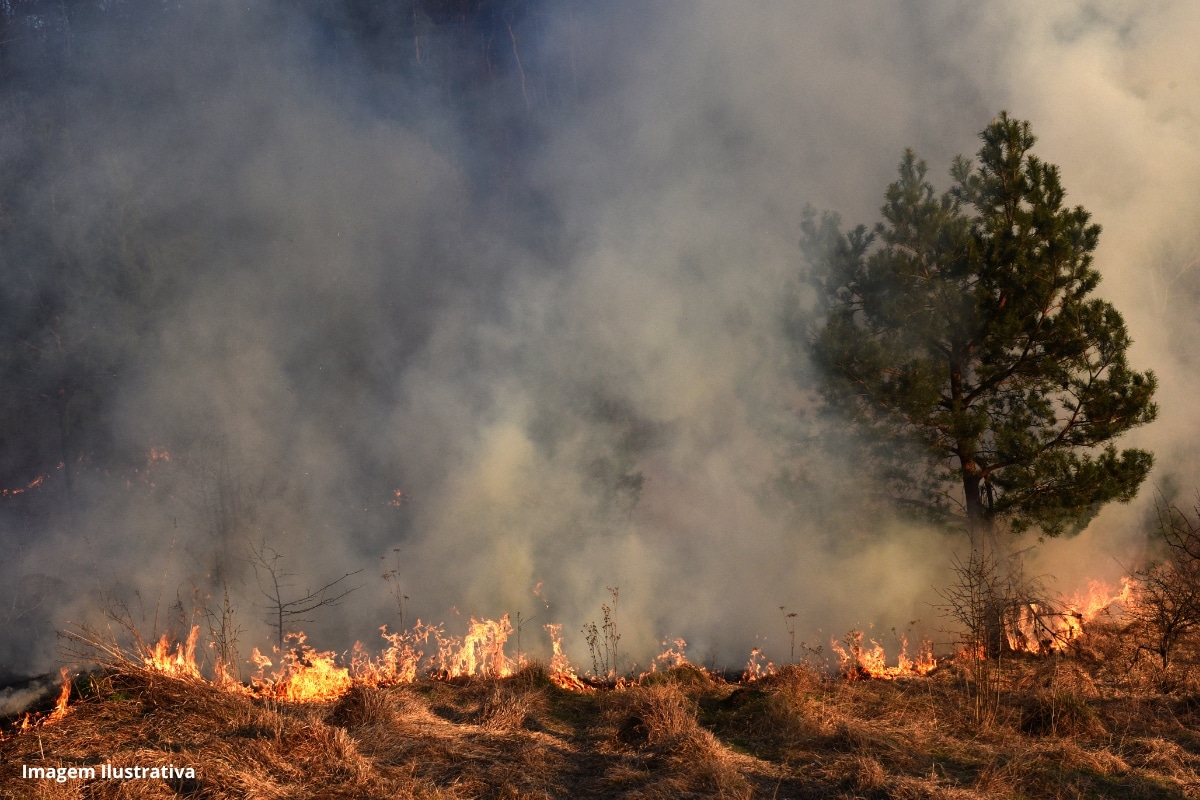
pixel 982 533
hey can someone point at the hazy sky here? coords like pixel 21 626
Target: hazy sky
pixel 373 293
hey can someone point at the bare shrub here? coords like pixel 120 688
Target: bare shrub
pixel 977 600
pixel 1166 607
pixel 223 633
pixel 285 606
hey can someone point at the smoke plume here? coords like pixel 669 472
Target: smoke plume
pixel 482 296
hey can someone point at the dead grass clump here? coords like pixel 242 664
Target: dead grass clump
pixel 659 716
pixel 794 705
pixel 329 756
pixel 757 721
pixel 1059 713
pixel 794 679
pixel 794 717
pixel 860 772
pixel 511 709
pixel 1158 754
pixel 659 723
pixel 999 776
pixel 532 675
pixel 687 675
pixel 1066 767
pixel 1106 762
pixel 362 706
pixel 1058 675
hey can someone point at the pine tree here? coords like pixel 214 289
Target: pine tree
pixel 961 338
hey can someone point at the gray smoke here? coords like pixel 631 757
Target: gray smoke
pixel 563 346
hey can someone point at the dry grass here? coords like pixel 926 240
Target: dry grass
pixel 1099 723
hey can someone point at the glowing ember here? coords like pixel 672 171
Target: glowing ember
pixel 33 484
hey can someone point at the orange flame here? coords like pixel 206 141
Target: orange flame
pixel 33 720
pixel 60 707
pixel 181 663
pixel 757 667
pixel 860 663
pixel 482 652
pixel 1041 629
pixel 396 664
pixel 671 657
pixel 562 674
pixel 307 676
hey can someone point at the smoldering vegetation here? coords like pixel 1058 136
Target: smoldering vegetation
pixel 487 295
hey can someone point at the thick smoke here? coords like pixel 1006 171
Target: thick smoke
pixel 529 271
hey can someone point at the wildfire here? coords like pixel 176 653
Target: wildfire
pixel 30 720
pixel 397 663
pixel 181 663
pixel 60 707
pixel 33 484
pixel 757 667
pixel 481 652
pixel 307 676
pixel 857 662
pixel 562 674
pixel 673 656
pixel 1036 628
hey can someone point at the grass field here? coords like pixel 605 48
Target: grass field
pixel 1098 721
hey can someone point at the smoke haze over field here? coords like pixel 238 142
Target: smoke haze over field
pixel 528 267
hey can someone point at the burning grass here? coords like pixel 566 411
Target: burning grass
pixel 1098 721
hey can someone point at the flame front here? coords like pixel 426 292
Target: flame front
pixel 1040 629
pixel 857 662
pixel 562 674
pixel 60 707
pixel 307 676
pixel 757 666
pixel 398 663
pixel 181 663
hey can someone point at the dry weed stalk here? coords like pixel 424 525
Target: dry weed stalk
pixel 602 641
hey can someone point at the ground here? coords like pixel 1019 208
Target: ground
pixel 1099 721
